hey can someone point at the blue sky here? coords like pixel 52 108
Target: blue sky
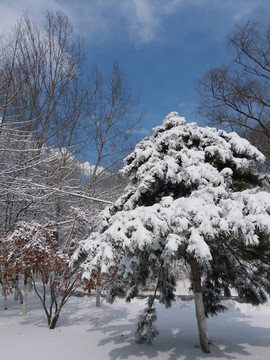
pixel 163 46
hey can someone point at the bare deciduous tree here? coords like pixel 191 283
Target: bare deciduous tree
pixel 49 113
pixel 41 64
pixel 237 96
pixel 32 252
pixel 112 114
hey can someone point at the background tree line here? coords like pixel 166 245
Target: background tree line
pixel 54 111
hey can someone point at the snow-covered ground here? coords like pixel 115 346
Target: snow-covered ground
pixel 85 332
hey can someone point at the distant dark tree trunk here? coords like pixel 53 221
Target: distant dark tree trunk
pixel 4 293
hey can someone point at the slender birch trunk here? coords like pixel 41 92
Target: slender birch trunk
pixel 24 299
pixel 198 297
pixel 25 290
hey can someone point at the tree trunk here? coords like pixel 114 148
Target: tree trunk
pixel 25 288
pixel 98 290
pixel 4 293
pixel 16 288
pixel 54 321
pixel 198 297
pixel 17 292
pixel 29 284
pixel 24 300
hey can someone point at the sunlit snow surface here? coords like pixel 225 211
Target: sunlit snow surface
pixel 85 332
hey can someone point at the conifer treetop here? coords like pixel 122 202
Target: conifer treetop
pixel 190 186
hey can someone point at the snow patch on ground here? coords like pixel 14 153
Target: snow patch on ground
pixel 85 332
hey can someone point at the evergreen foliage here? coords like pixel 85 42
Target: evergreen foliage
pixel 195 194
pixel 146 330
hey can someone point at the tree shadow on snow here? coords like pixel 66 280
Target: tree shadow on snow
pixel 231 334
pixel 95 317
pixel 233 331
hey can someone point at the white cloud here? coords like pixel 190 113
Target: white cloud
pixel 143 20
pixel 141 131
pixel 12 10
pixel 139 21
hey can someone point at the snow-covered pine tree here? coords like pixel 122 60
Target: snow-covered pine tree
pixel 194 195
